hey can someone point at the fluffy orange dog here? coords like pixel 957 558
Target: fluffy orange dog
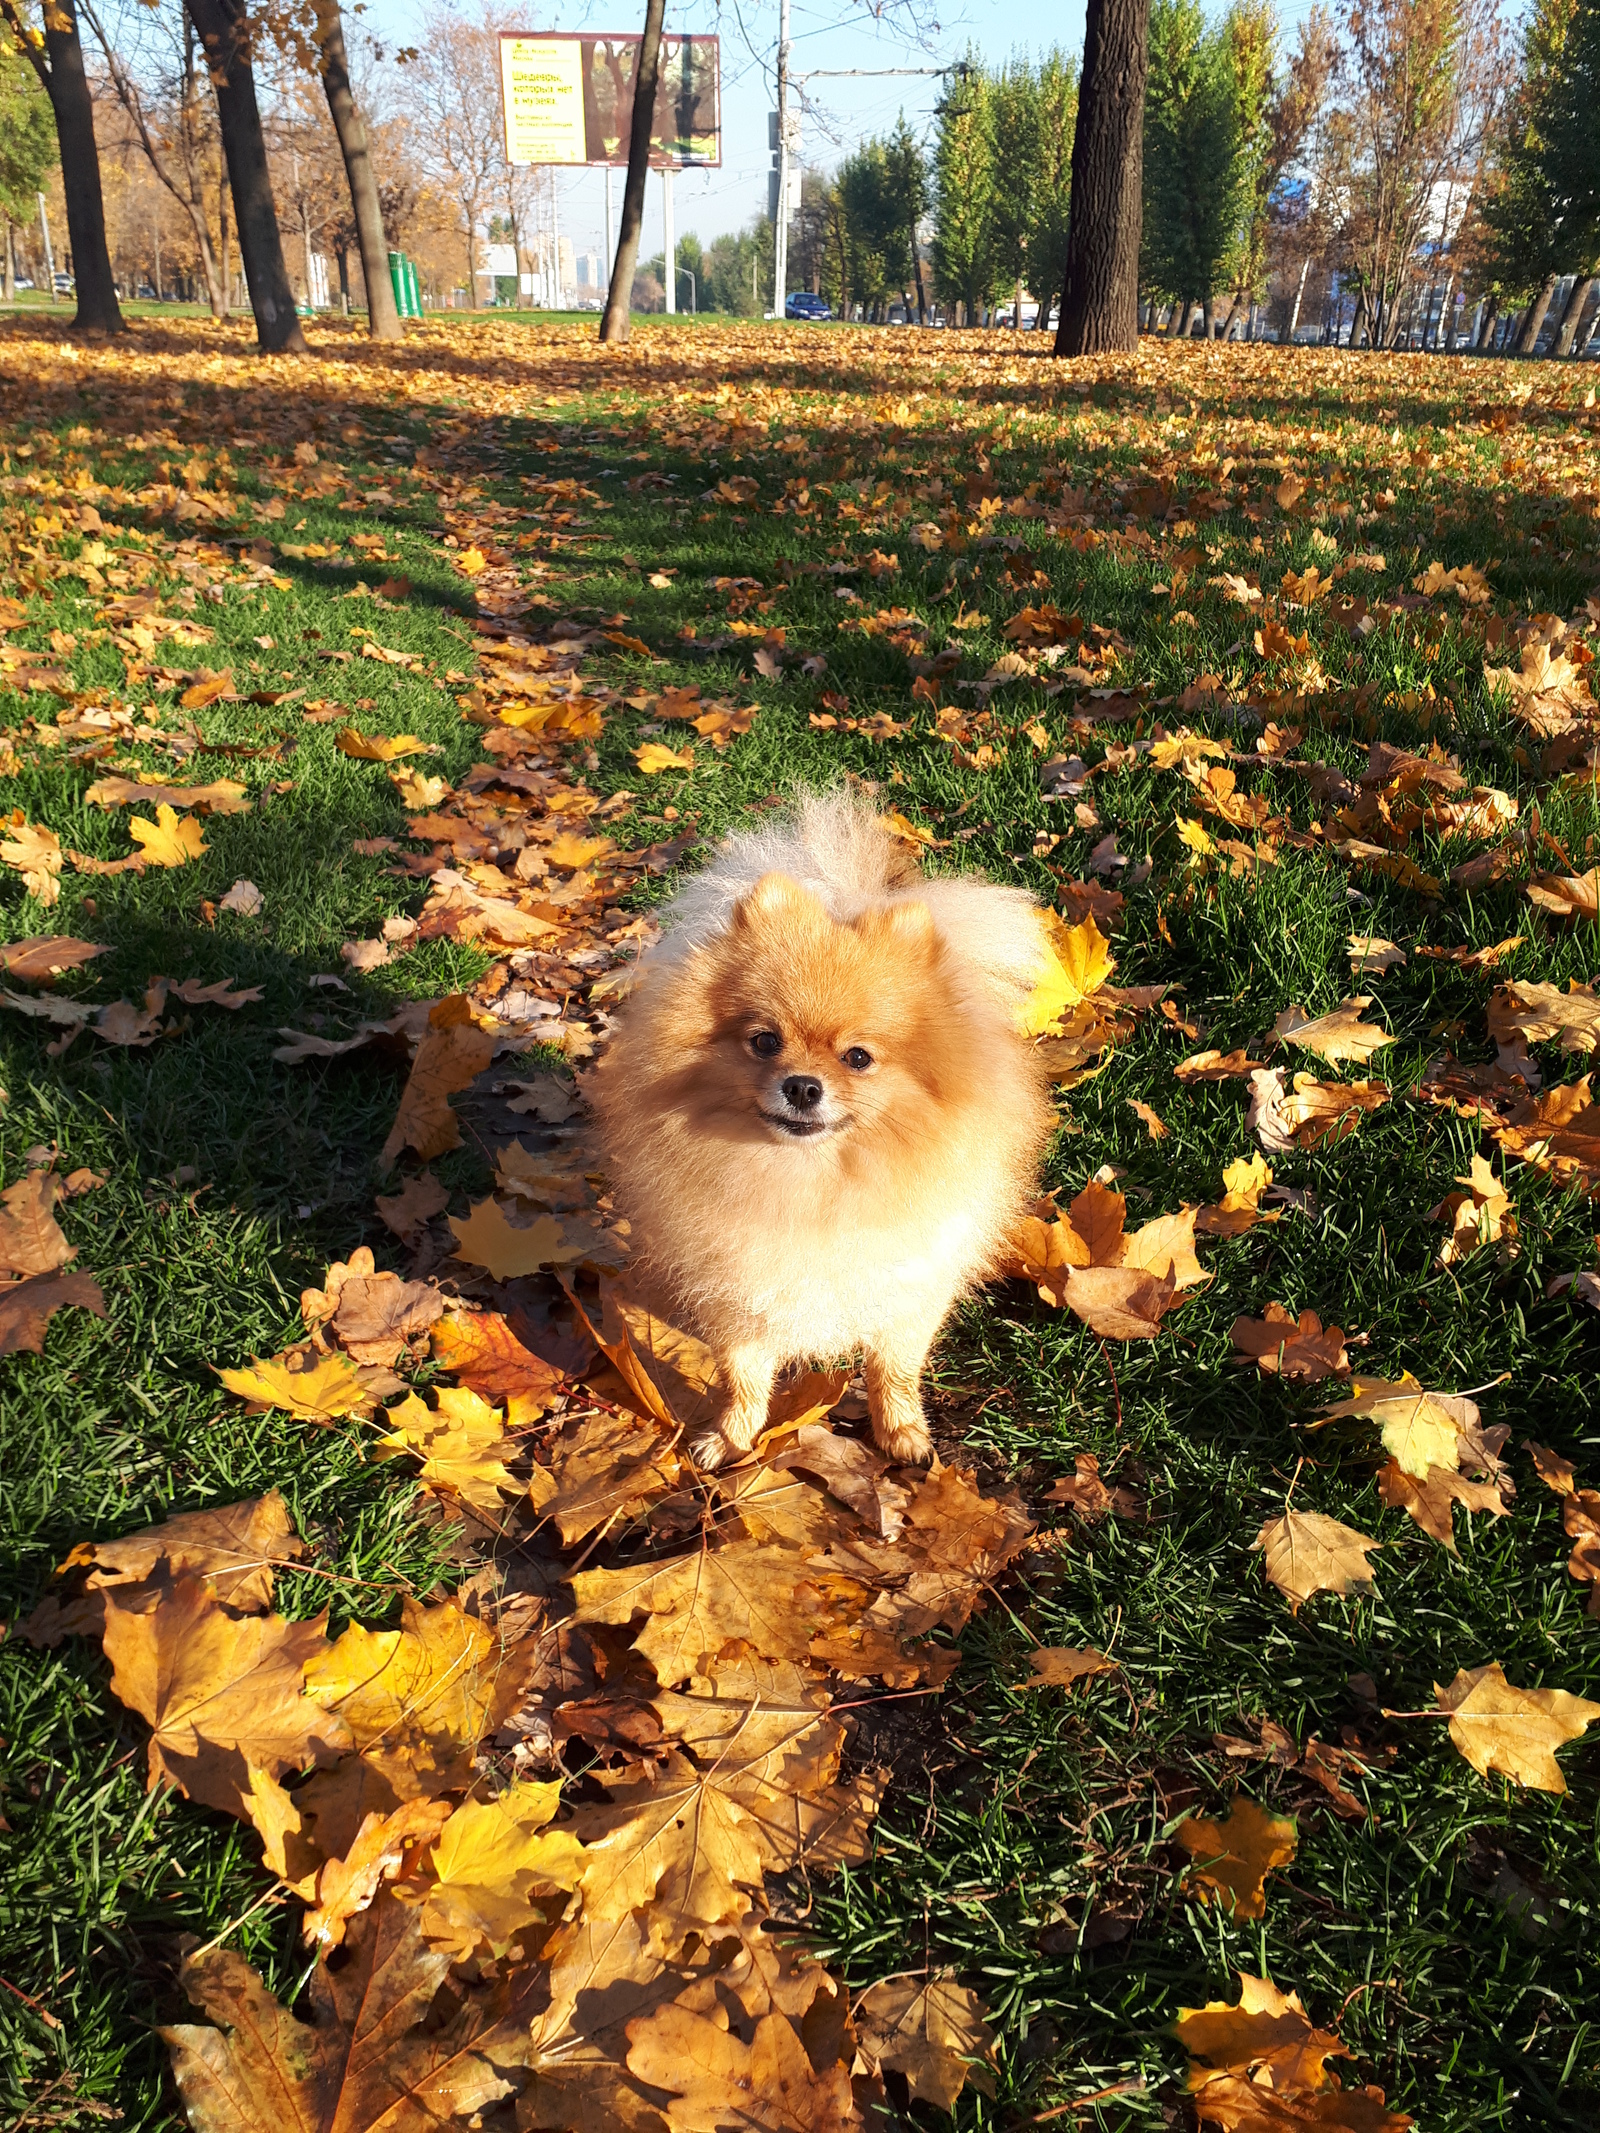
pixel 817 1112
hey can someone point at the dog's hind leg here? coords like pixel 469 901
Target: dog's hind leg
pixel 892 1367
pixel 748 1372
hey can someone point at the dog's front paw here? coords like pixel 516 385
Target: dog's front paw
pixel 904 1439
pixel 709 1450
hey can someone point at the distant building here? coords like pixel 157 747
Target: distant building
pixel 588 276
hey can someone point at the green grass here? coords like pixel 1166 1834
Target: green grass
pixel 1018 1818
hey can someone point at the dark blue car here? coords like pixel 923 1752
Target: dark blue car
pixel 803 305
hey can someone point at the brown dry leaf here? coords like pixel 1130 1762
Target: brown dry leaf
pixel 1234 1857
pixel 225 797
pixel 1337 1036
pixel 1575 896
pixel 1431 1500
pixel 170 841
pixel 454 1051
pixel 702 2065
pixel 368 2060
pixel 378 1314
pixel 409 1211
pixel 233 1549
pixel 43 959
pixel 460 1444
pixel 697 1603
pixel 1058 1666
pixel 32 1241
pixel 1555 1472
pixel 480 1350
pixel 1368 951
pixel 345 1887
pixel 427 1688
pixel 1302 1348
pixel 932 2032
pixel 1544 1014
pixel 1241 2105
pixel 1315 1114
pixel 1308 1553
pixel 1481 1215
pixel 604 1468
pixel 27 1307
pixel 507 1250
pixel 1120 1303
pixel 1148 1118
pixel 220 994
pixel 36 854
pixel 1216 1066
pixel 1580 1516
pixel 1266 2037
pixel 1513 1731
pixel 221 1693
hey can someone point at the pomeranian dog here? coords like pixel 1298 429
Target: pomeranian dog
pixel 817 1112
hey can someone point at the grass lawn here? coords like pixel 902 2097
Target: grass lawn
pixel 801 522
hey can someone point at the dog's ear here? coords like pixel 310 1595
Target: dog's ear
pixel 907 926
pixel 776 896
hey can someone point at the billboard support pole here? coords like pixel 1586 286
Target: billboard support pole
pixel 669 242
pixel 780 232
pixel 555 240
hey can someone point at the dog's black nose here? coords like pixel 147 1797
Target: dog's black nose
pixel 802 1092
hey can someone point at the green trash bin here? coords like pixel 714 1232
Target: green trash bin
pixel 413 290
pixel 397 281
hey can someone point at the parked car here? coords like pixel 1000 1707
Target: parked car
pixel 803 305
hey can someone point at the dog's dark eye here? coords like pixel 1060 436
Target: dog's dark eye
pixel 767 1042
pixel 857 1060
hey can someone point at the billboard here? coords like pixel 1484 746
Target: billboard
pixel 569 99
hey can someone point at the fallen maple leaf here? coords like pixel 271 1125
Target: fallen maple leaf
pixel 380 747
pixel 1419 1429
pixel 1514 1731
pixel 1315 1114
pixel 1430 1501
pixel 480 1350
pixel 244 898
pixel 27 1307
pixel 225 797
pixel 1244 1180
pixel 654 757
pixel 1282 1345
pixel 32 1241
pixel 507 1250
pixel 932 2031
pixel 1234 1857
pixel 426 1689
pixel 1266 2036
pixel 322 1392
pixel 1555 1472
pixel 408 1211
pixel 43 959
pixel 36 854
pixel 1149 1119
pixel 1481 1215
pixel 1058 1666
pixel 1076 962
pixel 700 2064
pixel 1308 1553
pixel 454 1051
pixel 1217 1066
pixel 1118 1302
pixel 1368 951
pixel 697 1603
pixel 344 1887
pixel 1544 1014
pixel 377 1315
pixel 171 840
pixel 603 1468
pixel 221 1693
pixel 1336 1036
pixel 369 2059
pixel 460 1445
pixel 491 1860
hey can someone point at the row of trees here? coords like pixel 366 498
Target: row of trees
pixel 1397 171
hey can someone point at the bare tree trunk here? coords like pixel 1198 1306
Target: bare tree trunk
pixel 1533 322
pixel 1100 290
pixel 225 37
pixel 1491 312
pixel 11 264
pixel 58 62
pixel 614 319
pixel 226 263
pixel 922 294
pixel 1582 289
pixel 383 319
pixel 1016 307
pixel 1299 294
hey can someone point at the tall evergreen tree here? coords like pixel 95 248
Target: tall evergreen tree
pixel 1534 236
pixel 907 177
pixel 1195 169
pixel 1056 107
pixel 1014 102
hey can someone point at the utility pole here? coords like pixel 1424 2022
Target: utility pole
pixel 669 237
pixel 611 248
pixel 780 220
pixel 555 238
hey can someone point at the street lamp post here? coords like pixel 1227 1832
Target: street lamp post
pixel 694 290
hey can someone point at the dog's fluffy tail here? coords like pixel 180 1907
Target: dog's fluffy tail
pixel 834 845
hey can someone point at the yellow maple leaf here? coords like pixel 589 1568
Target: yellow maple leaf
pixel 491 1857
pixel 172 840
pixel 425 1689
pixel 488 1240
pixel 380 747
pixel 36 854
pixel 325 1390
pixel 460 1444
pixel 471 561
pixel 655 756
pixel 1498 1726
pixel 1195 837
pixel 1076 961
pixel 1233 1858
